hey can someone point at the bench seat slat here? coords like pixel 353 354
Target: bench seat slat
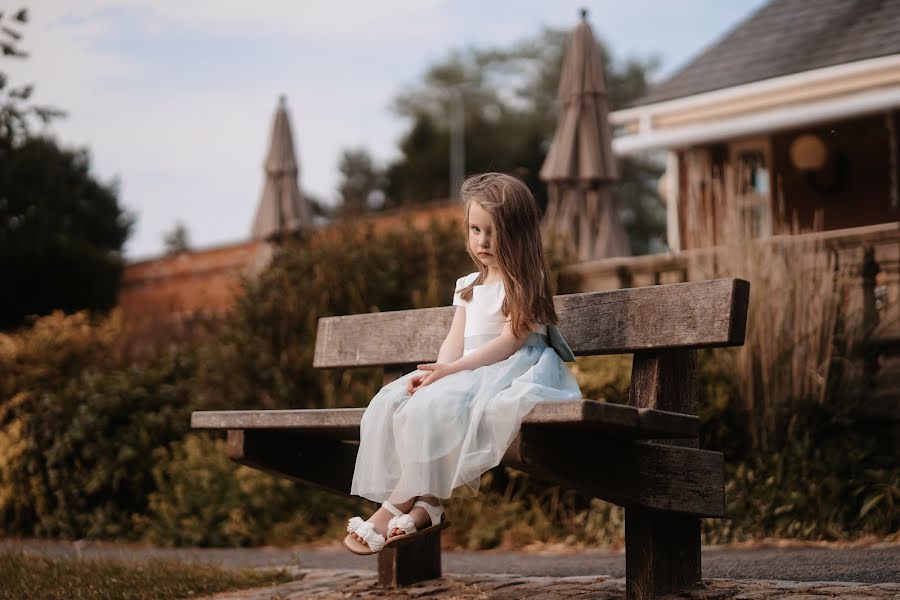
pixel 616 420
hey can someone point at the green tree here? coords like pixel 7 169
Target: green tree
pixel 423 172
pixel 15 109
pixel 509 99
pixel 361 182
pixel 178 239
pixel 61 232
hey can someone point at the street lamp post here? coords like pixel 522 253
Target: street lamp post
pixel 457 141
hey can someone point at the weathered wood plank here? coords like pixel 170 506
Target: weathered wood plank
pixel 624 472
pixel 696 314
pixel 326 464
pixel 383 338
pixel 665 380
pixel 411 560
pixel 334 423
pixel 618 420
pixel 628 473
pixel 651 535
pixel 662 548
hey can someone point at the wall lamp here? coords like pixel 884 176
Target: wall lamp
pixel 808 153
pixel 810 156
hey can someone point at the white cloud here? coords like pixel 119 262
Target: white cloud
pixel 319 18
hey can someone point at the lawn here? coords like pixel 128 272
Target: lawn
pixel 25 577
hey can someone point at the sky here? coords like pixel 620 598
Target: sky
pixel 175 99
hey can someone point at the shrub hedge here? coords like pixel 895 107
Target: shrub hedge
pixel 96 445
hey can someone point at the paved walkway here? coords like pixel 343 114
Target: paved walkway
pixel 332 584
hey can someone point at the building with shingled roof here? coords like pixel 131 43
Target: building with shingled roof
pixel 789 122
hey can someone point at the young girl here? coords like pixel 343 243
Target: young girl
pixel 437 429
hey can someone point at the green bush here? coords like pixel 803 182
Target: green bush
pixel 827 475
pixel 604 377
pixel 204 499
pixel 264 356
pixel 76 430
pixel 92 442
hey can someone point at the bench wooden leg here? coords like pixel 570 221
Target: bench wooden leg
pixel 662 549
pixel 662 553
pixel 409 562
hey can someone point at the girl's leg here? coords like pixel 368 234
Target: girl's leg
pixel 419 515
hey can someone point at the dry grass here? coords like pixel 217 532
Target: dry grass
pixel 24 576
pixel 805 312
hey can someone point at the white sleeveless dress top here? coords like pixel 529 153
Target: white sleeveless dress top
pixel 484 312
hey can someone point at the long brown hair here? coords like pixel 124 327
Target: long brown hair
pixel 519 250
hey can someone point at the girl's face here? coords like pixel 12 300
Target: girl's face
pixel 481 236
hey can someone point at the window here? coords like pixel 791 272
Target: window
pixel 752 189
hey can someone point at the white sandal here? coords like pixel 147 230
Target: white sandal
pixel 408 525
pixel 373 541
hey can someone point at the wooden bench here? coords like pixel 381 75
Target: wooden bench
pixel 643 456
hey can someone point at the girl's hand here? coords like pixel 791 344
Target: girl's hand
pixel 437 371
pixel 415 382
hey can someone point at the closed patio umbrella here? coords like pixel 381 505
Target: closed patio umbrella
pixel 580 168
pixel 282 208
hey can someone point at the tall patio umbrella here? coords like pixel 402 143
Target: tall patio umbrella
pixel 580 168
pixel 282 208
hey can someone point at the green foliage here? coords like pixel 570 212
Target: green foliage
pixel 642 212
pixel 16 110
pixel 827 473
pixel 604 377
pixel 204 499
pixel 61 232
pixel 92 444
pixel 178 239
pixel 362 183
pixel 509 99
pixel 264 357
pixel 26 576
pixel 76 429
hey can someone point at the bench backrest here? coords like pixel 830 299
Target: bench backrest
pixel 697 314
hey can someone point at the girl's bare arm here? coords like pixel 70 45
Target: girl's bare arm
pixel 452 348
pixel 499 348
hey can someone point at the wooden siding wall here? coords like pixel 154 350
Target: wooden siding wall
pixel 854 187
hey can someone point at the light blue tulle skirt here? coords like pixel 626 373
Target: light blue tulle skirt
pixel 442 438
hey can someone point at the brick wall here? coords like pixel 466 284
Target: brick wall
pixel 171 291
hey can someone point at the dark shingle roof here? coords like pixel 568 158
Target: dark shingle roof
pixel 784 37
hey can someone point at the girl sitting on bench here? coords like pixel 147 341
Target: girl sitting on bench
pixel 434 431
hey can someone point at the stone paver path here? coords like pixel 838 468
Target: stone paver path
pixel 351 584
